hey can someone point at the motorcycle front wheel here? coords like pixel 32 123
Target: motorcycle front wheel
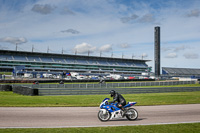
pixel 131 114
pixel 104 116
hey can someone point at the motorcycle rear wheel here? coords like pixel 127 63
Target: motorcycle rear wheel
pixel 131 114
pixel 104 117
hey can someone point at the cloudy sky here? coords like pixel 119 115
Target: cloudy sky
pixel 118 28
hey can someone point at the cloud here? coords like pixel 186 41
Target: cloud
pixel 171 55
pixel 106 48
pixel 71 31
pixel 84 48
pixel 105 22
pixel 13 40
pixel 144 55
pixel 175 49
pixel 179 48
pixel 43 9
pixel 191 56
pixel 124 45
pixel 127 19
pixel 147 18
pixel 165 49
pixel 193 13
pixel 67 11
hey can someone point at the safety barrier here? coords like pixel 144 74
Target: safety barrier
pixel 94 89
pixel 108 85
pixel 24 90
pixel 99 91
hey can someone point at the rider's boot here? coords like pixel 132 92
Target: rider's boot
pixel 123 111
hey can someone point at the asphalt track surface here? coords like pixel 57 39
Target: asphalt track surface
pixel 63 117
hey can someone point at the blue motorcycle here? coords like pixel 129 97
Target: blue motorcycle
pixel 110 111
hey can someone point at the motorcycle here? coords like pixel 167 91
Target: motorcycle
pixel 110 111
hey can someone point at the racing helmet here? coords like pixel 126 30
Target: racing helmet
pixel 112 93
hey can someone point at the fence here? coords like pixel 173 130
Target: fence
pixel 98 91
pixel 109 85
pixel 123 88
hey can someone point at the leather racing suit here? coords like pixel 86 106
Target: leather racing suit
pixel 120 100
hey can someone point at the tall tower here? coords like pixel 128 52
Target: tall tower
pixel 157 51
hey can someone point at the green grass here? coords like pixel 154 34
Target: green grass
pixel 175 128
pixel 9 99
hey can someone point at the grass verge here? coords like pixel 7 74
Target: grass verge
pixel 9 99
pixel 175 128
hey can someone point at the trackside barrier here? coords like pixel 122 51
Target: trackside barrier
pixel 24 90
pixel 108 85
pixel 100 91
pixel 93 89
pixel 5 88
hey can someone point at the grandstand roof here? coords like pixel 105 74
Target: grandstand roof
pixel 180 71
pixel 68 55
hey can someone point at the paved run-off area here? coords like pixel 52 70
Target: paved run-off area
pixel 52 117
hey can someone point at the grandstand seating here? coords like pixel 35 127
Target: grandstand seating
pixel 33 58
pixel 137 64
pixel 21 58
pixel 102 62
pixel 82 61
pixel 59 60
pixel 6 57
pixel 92 62
pixel 113 63
pixel 70 60
pixel 46 61
pixel 180 71
pixel 130 64
pixel 122 63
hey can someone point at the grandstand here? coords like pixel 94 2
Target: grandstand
pixel 46 62
pixel 188 72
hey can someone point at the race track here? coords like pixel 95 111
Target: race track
pixel 56 117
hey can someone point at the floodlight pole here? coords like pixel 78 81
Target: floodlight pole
pixel 133 56
pixel 32 48
pixel 48 49
pixel 16 46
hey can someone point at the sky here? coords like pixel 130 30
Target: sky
pixel 106 28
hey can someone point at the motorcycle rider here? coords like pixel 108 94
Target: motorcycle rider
pixel 121 102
